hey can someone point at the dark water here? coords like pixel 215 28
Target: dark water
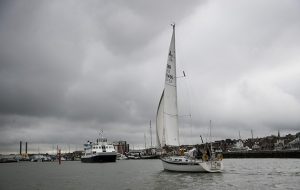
pixel 148 174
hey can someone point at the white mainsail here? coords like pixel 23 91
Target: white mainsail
pixel 167 112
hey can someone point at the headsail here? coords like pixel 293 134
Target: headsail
pixel 168 133
pixel 160 122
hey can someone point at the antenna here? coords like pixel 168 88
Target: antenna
pixel 101 133
pixel 173 25
pixel 184 75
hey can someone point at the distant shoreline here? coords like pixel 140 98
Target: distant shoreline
pixel 263 154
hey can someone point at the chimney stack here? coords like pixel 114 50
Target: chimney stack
pixel 20 147
pixel 26 148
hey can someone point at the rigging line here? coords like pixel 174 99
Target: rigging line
pixel 207 134
pixel 191 126
pixel 189 105
pixel 173 115
pixel 188 115
pixel 170 84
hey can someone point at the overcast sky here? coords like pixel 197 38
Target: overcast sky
pixel 70 68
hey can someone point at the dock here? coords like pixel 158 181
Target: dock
pixel 263 154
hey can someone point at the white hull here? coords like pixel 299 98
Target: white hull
pixel 100 154
pixel 187 165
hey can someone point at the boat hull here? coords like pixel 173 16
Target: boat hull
pixel 150 157
pixel 99 158
pixel 192 166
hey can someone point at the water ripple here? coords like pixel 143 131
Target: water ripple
pixel 148 174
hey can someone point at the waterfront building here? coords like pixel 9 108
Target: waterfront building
pixel 121 147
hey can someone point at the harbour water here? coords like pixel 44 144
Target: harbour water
pixel 148 174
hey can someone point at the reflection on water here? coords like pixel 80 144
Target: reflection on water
pixel 171 180
pixel 148 174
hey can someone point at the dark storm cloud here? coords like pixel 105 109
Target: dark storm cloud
pixel 38 59
pixel 125 26
pixel 70 64
pixel 43 44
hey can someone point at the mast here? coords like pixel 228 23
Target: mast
pixel 150 135
pixel 145 140
pixel 210 136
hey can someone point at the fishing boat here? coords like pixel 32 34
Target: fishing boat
pixel 167 130
pixel 99 151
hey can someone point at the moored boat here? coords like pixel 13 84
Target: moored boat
pixel 99 151
pixel 154 156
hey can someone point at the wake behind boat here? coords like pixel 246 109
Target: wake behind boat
pixel 99 151
pixel 167 130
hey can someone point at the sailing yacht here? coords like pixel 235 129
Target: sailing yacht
pixel 167 130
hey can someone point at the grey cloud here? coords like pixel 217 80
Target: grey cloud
pixel 70 68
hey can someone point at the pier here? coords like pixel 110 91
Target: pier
pixel 263 154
